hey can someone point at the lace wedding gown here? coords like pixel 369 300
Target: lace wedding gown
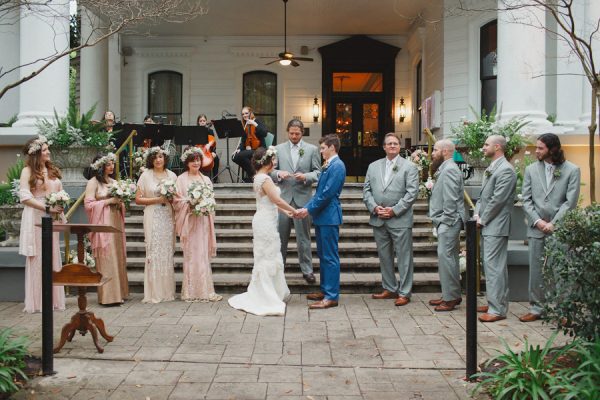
pixel 267 288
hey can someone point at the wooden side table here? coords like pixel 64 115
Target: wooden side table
pixel 80 276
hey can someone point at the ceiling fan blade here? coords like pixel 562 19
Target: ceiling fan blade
pixel 295 63
pixel 303 58
pixel 271 62
pixel 272 58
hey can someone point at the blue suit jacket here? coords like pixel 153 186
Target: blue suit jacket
pixel 324 207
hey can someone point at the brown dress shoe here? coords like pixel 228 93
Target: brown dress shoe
pixel 491 317
pixel 482 309
pixel 437 302
pixel 447 305
pixel 530 317
pixel 315 296
pixel 319 305
pixel 386 294
pixel 402 301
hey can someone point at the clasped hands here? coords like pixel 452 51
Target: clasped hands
pixel 546 227
pixel 384 212
pixel 298 214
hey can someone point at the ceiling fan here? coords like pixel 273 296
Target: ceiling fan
pixel 286 58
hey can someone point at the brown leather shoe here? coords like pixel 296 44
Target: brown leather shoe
pixel 482 309
pixel 319 305
pixel 402 301
pixel 315 296
pixel 447 305
pixel 386 294
pixel 437 302
pixel 530 317
pixel 491 317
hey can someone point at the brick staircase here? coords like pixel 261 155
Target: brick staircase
pixel 233 265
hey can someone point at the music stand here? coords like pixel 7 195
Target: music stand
pixel 228 128
pixel 192 135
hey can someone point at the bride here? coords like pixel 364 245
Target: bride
pixel 267 288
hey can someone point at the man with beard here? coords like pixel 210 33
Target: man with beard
pixel 492 213
pixel 390 190
pixel 447 213
pixel 550 189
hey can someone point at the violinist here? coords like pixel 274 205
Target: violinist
pixel 254 136
pixel 210 159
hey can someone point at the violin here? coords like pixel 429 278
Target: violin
pixel 252 140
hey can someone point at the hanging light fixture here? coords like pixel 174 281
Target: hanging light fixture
pixel 316 109
pixel 402 113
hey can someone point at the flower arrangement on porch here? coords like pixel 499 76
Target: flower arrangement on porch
pixel 471 135
pixel 10 208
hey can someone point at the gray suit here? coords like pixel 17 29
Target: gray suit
pixel 393 235
pixel 447 212
pixel 297 194
pixel 494 206
pixel 548 203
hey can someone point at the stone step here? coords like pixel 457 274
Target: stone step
pixel 349 282
pixel 246 263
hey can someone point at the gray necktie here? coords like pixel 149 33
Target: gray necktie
pixel 549 170
pixel 388 171
pixel 295 155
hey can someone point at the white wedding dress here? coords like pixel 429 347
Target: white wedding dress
pixel 267 289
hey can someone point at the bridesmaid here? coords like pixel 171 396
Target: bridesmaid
pixel 108 248
pixel 39 178
pixel 197 235
pixel 159 228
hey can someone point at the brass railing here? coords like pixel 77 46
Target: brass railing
pixel 431 139
pixel 128 142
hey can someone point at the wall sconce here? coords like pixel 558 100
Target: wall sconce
pixel 402 113
pixel 316 110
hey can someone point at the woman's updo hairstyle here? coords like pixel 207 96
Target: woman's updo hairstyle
pixel 263 157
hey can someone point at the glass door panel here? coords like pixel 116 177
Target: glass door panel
pixel 370 137
pixel 343 123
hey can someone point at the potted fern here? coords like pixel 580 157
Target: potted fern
pixel 10 208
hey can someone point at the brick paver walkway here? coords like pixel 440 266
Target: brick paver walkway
pixel 363 349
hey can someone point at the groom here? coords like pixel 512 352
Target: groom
pixel 326 213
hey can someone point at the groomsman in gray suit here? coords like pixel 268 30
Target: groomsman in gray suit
pixel 390 190
pixel 298 167
pixel 550 189
pixel 492 213
pixel 447 212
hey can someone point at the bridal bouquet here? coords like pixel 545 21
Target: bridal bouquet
pixel 58 199
pixel 425 189
pixel 201 199
pixel 167 189
pixel 123 190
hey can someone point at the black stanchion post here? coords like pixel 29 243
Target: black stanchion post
pixel 47 322
pixel 471 298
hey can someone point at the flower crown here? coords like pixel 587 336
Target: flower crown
pixel 271 152
pixel 99 163
pixel 37 144
pixel 155 150
pixel 189 151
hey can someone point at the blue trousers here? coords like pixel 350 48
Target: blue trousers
pixel 327 238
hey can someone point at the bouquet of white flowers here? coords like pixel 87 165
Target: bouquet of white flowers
pixel 167 189
pixel 425 189
pixel 124 190
pixel 58 199
pixel 201 198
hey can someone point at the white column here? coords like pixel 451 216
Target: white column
pixel 9 48
pixel 44 32
pixel 589 19
pixel 114 76
pixel 522 65
pixel 94 67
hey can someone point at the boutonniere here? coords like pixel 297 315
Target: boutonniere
pixel 488 173
pixel 395 168
pixel 301 152
pixel 325 165
pixel 556 173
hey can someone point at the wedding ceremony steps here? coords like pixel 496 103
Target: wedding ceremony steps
pixel 233 265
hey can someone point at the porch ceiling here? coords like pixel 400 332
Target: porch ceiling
pixel 306 17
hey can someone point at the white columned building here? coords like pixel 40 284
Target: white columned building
pixel 93 72
pixel 44 32
pixel 521 65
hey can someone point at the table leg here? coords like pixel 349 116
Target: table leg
pixel 99 323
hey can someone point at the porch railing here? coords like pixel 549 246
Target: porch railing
pixel 127 143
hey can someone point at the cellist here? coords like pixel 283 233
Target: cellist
pixel 210 159
pixel 254 136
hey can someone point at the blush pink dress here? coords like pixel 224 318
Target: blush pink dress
pixel 30 245
pixel 199 243
pixel 108 248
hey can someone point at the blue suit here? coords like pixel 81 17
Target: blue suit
pixel 326 212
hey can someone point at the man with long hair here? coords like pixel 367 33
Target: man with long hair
pixel 550 189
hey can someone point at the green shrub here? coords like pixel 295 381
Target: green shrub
pixel 583 381
pixel 572 273
pixel 12 354
pixel 523 375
